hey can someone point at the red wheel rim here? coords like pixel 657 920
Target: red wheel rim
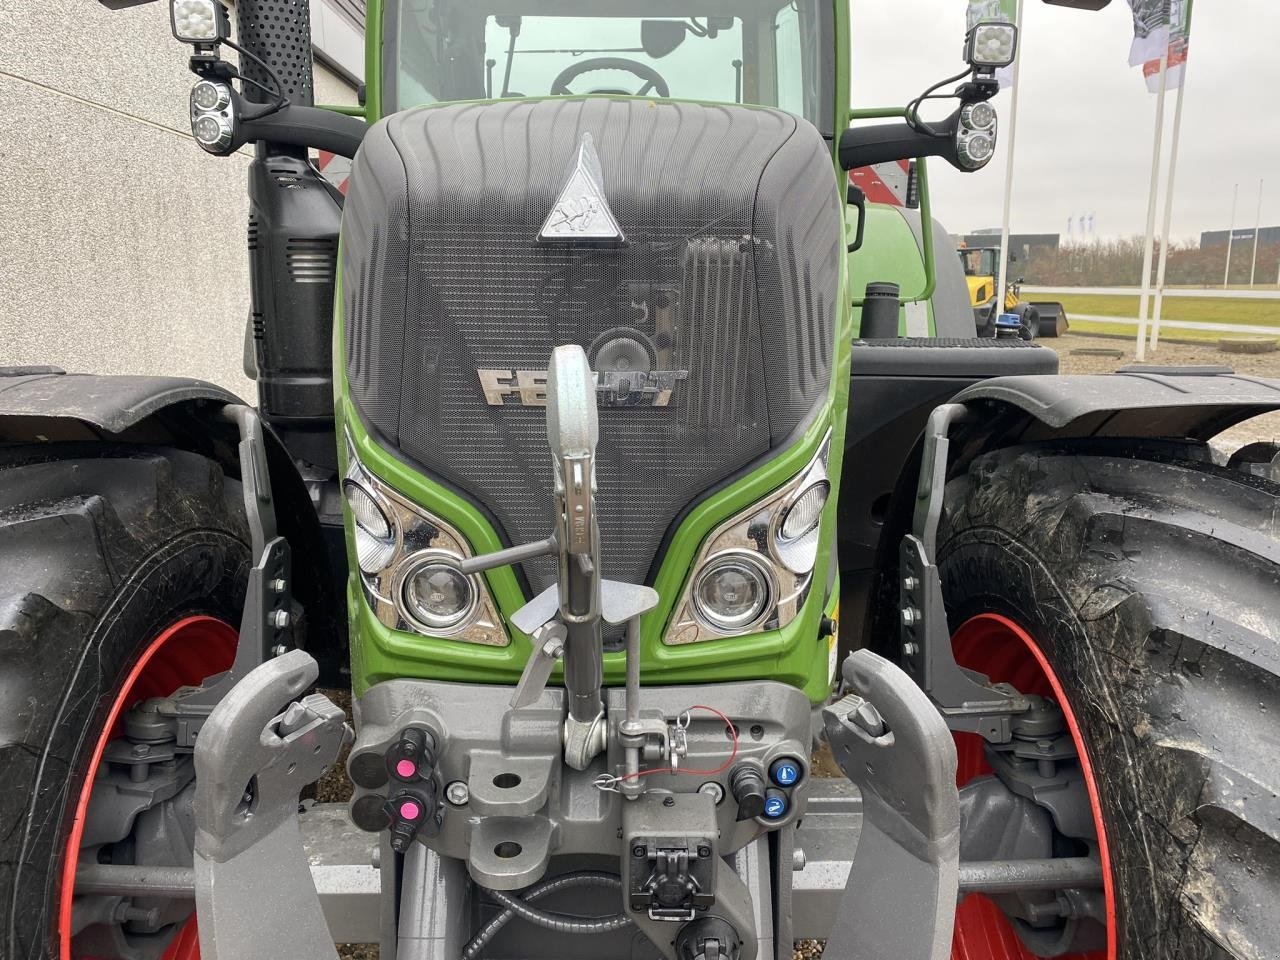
pixel 184 654
pixel 999 648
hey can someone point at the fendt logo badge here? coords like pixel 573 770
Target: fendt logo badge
pixel 614 388
pixel 581 212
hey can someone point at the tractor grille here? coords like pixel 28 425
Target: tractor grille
pixel 728 278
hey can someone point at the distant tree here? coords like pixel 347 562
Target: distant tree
pixel 1118 263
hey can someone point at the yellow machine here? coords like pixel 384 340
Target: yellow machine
pixel 981 266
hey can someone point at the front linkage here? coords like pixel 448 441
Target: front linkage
pixel 502 781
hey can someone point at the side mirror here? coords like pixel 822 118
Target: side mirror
pixel 660 37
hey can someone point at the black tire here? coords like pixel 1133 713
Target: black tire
pixel 101 548
pixel 1151 582
pixel 1030 322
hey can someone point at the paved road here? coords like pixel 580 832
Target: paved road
pixel 1182 324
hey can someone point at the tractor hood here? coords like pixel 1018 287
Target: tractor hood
pixel 693 251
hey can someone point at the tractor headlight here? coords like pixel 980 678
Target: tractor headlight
pixel 731 593
pixel 991 45
pixel 209 95
pixel 976 136
pixel 212 131
pixel 213 115
pixel 201 22
pixel 753 572
pixel 408 565
pixel 978 116
pixel 375 540
pixel 433 593
pixel 795 542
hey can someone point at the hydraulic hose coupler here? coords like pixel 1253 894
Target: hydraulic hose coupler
pixel 407 784
pixel 708 938
pixel 415 806
pixel 413 756
pixel 747 784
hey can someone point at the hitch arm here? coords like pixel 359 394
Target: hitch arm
pixel 255 753
pixel 900 898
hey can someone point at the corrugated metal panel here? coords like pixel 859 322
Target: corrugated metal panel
pixel 353 10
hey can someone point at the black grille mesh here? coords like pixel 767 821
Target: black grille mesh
pixel 278 32
pixel 729 274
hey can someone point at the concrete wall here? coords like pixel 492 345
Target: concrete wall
pixel 121 241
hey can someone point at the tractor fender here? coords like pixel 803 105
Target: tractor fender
pixel 44 405
pixel 1139 401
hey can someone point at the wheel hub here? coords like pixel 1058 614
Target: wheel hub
pixel 135 806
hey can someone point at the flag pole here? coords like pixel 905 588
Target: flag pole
pixel 1231 236
pixel 1253 271
pixel 1173 172
pixel 1153 199
pixel 1003 279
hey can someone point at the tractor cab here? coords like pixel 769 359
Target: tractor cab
pixel 762 52
pixel 981 265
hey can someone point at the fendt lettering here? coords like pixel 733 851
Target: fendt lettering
pixel 614 388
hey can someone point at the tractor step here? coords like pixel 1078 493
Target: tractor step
pixel 344 868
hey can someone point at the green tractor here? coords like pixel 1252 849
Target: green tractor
pixel 689 607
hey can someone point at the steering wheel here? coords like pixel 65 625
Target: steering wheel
pixel 652 78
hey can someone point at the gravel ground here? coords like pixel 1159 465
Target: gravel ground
pixel 1079 355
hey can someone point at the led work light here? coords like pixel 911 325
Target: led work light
pixel 991 45
pixel 200 22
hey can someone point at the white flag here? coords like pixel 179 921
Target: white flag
pixel 1160 25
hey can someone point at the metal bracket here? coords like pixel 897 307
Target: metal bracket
pixel 256 752
pixel 966 699
pixel 548 648
pixel 267 602
pixel 900 898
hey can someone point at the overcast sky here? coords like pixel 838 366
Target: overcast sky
pixel 1086 120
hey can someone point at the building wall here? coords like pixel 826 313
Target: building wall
pixel 121 241
pixel 1024 246
pixel 1218 238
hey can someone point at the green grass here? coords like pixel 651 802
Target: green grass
pixel 1263 313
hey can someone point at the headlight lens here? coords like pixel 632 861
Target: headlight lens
pixel 211 131
pixel 207 95
pixel 366 512
pixel 374 538
pixel 802 516
pixel 754 572
pixel 979 116
pixel 408 561
pixel 435 594
pixel 796 543
pixel 732 593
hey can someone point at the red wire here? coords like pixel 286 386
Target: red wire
pixel 733 753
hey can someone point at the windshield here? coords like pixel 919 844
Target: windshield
pixel 979 262
pixel 776 53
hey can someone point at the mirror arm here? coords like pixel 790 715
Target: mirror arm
pixel 886 142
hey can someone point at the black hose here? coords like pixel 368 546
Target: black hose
pixel 519 907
